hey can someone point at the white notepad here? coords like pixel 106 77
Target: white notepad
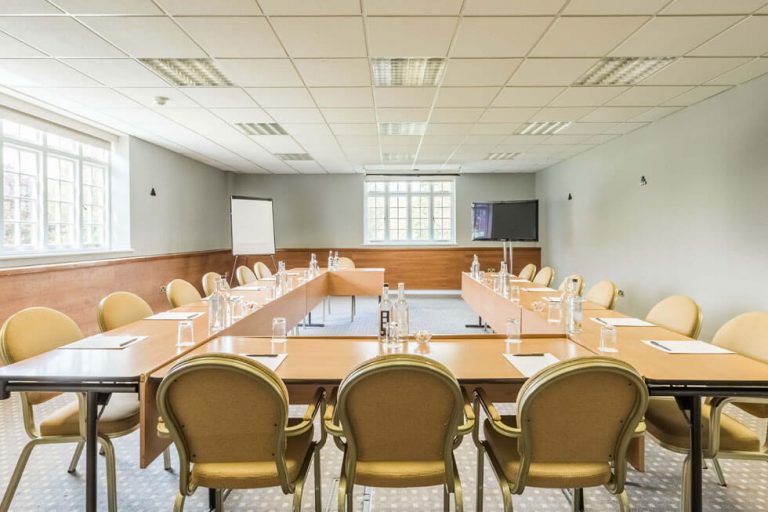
pixel 519 281
pixel 174 315
pixel 538 289
pixel 529 365
pixel 103 342
pixel 622 322
pixel 686 347
pixel 271 361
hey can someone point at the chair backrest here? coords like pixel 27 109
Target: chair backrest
pixel 121 308
pixel 245 275
pixel 602 293
pixel 544 276
pixel 528 272
pixel 225 408
pixel 677 313
pixel 209 282
pixel 180 292
pixel 579 283
pixel 400 407
pixel 582 410
pixel 346 263
pixel 261 270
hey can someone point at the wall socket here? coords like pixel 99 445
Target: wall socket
pixel 162 290
pixel 620 293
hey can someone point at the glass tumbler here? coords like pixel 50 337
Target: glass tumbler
pixel 278 330
pixel 513 330
pixel 186 334
pixel 608 339
pixel 514 294
pixel 554 312
pixel 393 334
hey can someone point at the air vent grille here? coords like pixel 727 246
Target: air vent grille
pixel 293 156
pixel 188 72
pixel 502 156
pixel 623 70
pixel 544 127
pixel 261 128
pixel 402 128
pixel 407 71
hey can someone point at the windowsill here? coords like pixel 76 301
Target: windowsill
pixel 409 244
pixel 47 258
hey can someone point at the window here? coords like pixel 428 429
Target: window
pixel 409 212
pixel 55 190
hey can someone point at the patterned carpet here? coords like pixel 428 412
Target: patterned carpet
pixel 46 485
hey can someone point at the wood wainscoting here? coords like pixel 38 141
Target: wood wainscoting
pixel 420 268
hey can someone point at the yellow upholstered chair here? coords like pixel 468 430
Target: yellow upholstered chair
pixel 261 270
pixel 121 308
pixel 545 276
pixel 398 418
pixel 180 292
pixel 209 282
pixel 244 275
pixel 602 293
pixel 528 272
pixel 677 313
pixel 723 437
pixel 579 283
pixel 228 418
pixel 33 331
pixel 347 264
pixel 574 422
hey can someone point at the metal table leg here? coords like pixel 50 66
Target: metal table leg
pixel 692 405
pixel 91 431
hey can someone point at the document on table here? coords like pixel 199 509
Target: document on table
pixel 271 361
pixel 529 364
pixel 556 298
pixel 101 341
pixel 174 315
pixel 538 289
pixel 519 281
pixel 686 347
pixel 622 322
pixel 251 288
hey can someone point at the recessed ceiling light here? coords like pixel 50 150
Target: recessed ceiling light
pixel 188 72
pixel 622 70
pixel 293 156
pixel 261 128
pixel 407 71
pixel 398 157
pixel 502 156
pixel 402 128
pixel 544 127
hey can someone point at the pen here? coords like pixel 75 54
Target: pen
pixel 529 355
pixel 657 344
pixel 127 342
pixel 600 321
pixel 261 355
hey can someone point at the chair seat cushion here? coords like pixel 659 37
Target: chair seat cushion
pixel 666 423
pixel 121 414
pixel 251 475
pixel 400 473
pixel 557 475
pixel 757 410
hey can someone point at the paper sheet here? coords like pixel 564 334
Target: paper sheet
pixel 519 281
pixel 174 315
pixel 103 342
pixel 622 322
pixel 271 361
pixel 529 365
pixel 538 289
pixel 686 347
pixel 556 298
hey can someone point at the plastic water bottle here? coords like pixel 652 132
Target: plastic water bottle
pixel 217 309
pixel 385 314
pixel 474 269
pixel 502 278
pixel 330 261
pixel 336 261
pixel 401 312
pixel 574 306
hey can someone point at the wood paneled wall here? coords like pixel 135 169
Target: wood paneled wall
pixel 420 268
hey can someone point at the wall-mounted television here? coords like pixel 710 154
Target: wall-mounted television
pixel 516 221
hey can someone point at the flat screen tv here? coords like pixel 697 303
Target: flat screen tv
pixel 516 221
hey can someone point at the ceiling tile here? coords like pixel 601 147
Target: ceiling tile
pixel 343 97
pixel 498 36
pixel 404 96
pixel 479 72
pixel 117 72
pixel 355 128
pixel 244 115
pixel 622 128
pixel 495 128
pixel 310 7
pixel 303 130
pixel 585 128
pixel 613 7
pixel 10 47
pixel 508 115
pixel 748 38
pixel 278 143
pixel 601 139
pixel 206 7
pixel 672 36
pixel 455 115
pixel 409 141
pixel 561 113
pixel 310 167
pixel 586 96
pixel 647 95
pixel 27 7
pixel 146 96
pixel 111 7
pixel 586 36
pixel 655 114
pixel 697 94
pixel 411 8
pixel 293 97
pixel 358 140
pixel 321 36
pixel 444 139
pixel 558 140
pixel 58 36
pixel 448 128
pixel 41 72
pixel 220 97
pixel 741 74
pixel 713 7
pixel 465 96
pixel 95 97
pixel 512 7
pixel 145 36
pixel 550 71
pixel 350 115
pixel 402 114
pixel 526 96
pixel 295 115
pixel 409 36
pixel 260 72
pixel 694 71
pixel 613 114
pixel 334 72
pixel 236 37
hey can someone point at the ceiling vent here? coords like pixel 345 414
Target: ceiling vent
pixel 544 127
pixel 402 128
pixel 293 156
pixel 502 156
pixel 398 157
pixel 188 72
pixel 261 128
pixel 407 71
pixel 622 70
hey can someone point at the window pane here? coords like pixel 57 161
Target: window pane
pixel 21 132
pixel 62 144
pixel 21 172
pixel 94 153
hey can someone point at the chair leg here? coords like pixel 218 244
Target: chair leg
pixel 685 485
pixel 578 500
pixel 446 499
pixel 298 493
pixel 624 502
pixel 458 495
pixel 480 479
pixel 167 459
pixel 719 471
pixel 109 452
pixel 506 495
pixel 178 505
pixel 342 494
pixel 219 500
pixel 17 472
pixel 76 457
pixel 318 483
pixel 354 308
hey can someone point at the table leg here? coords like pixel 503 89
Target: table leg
pixel 479 325
pixel 309 323
pixel 92 404
pixel 692 405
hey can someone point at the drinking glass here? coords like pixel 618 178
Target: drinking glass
pixel 423 336
pixel 513 330
pixel 278 330
pixel 514 294
pixel 238 308
pixel 270 293
pixel 393 334
pixel 608 339
pixel 186 334
pixel 554 312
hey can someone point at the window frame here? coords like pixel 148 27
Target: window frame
pixel 409 195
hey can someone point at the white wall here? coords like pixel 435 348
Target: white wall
pixel 700 226
pixel 327 210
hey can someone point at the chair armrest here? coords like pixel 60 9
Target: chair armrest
pixel 494 416
pixel 469 415
pixel 717 405
pixel 309 415
pixel 329 419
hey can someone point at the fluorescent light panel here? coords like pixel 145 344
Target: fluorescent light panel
pixel 623 70
pixel 502 156
pixel 398 157
pixel 407 71
pixel 402 128
pixel 261 128
pixel 188 72
pixel 544 127
pixel 293 156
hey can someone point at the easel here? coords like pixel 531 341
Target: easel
pixel 234 266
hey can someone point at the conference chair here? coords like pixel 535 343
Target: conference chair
pixel 579 283
pixel 261 270
pixel 544 277
pixel 677 313
pixel 180 292
pixel 528 272
pixel 398 419
pixel 209 282
pixel 723 437
pixel 121 308
pixel 602 293
pixel 347 264
pixel 574 422
pixel 244 275
pixel 228 418
pixel 33 331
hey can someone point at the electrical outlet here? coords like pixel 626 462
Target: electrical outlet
pixel 620 293
pixel 162 290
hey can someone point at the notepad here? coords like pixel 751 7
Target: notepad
pixel 271 361
pixel 529 365
pixel 174 315
pixel 622 322
pixel 519 281
pixel 556 298
pixel 103 342
pixel 251 288
pixel 538 289
pixel 686 347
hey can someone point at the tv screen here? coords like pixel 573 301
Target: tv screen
pixel 506 220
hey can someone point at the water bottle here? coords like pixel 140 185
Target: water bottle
pixel 281 279
pixel 336 261
pixel 574 306
pixel 474 269
pixel 385 313
pixel 401 312
pixel 216 313
pixel 312 268
pixel 502 278
pixel 330 261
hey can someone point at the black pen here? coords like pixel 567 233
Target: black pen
pixel 261 355
pixel 528 355
pixel 657 344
